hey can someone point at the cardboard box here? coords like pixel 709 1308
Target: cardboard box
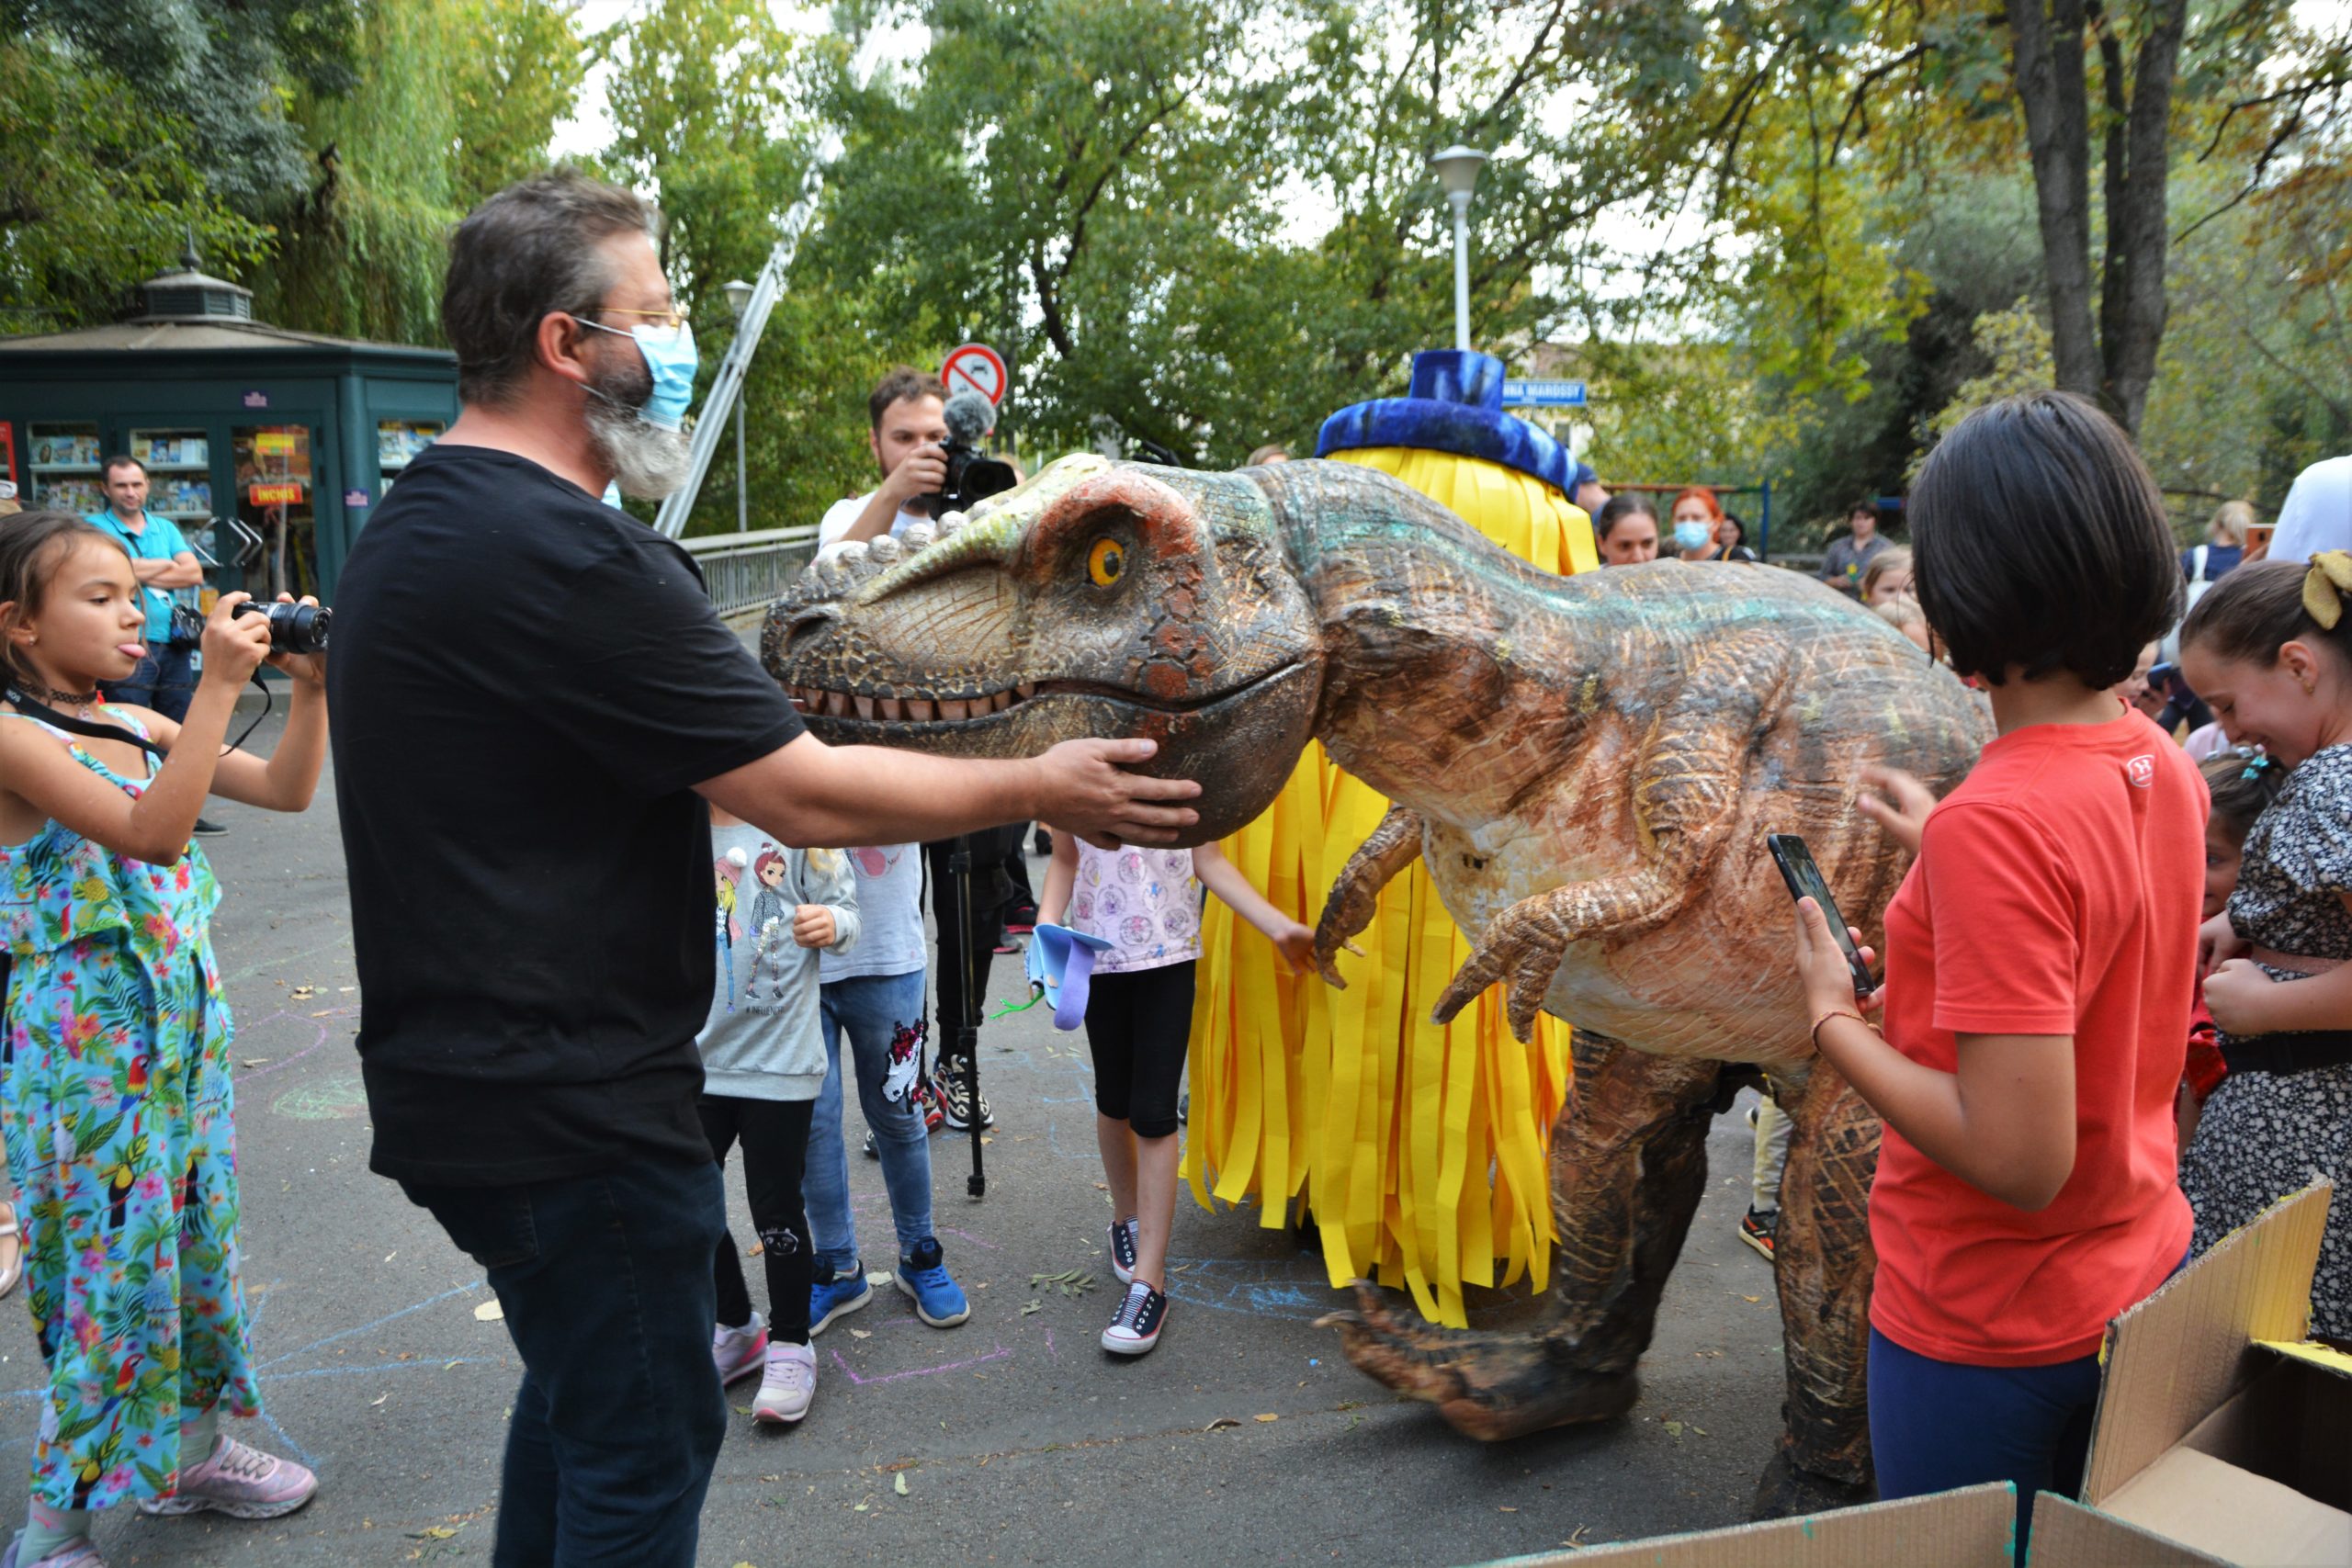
pixel 1972 1527
pixel 2219 1426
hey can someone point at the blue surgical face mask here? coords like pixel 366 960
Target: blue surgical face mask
pixel 1692 535
pixel 670 360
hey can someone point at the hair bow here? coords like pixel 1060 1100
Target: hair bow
pixel 2256 760
pixel 2325 585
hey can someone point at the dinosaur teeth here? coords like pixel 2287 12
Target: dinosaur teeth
pixel 893 708
pixel 954 707
pixel 1027 689
pixel 919 709
pixel 865 706
pixel 837 704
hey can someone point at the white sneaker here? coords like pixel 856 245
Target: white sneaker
pixel 739 1351
pixel 789 1385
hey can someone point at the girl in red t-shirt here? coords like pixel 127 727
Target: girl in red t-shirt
pixel 2040 962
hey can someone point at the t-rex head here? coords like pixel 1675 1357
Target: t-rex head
pixel 1093 601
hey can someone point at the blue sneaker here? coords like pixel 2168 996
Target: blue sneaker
pixel 939 1300
pixel 838 1296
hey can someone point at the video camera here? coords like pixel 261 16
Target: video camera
pixel 972 475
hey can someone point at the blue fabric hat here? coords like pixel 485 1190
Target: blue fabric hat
pixel 1455 404
pixel 1061 969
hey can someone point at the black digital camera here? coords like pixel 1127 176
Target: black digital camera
pixel 972 475
pixel 293 628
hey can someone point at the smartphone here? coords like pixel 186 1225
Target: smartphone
pixel 1805 881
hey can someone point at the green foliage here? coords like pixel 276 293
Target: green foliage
pixel 97 189
pixel 456 99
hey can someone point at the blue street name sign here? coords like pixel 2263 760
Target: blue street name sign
pixel 1518 393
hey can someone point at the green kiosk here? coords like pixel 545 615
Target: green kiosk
pixel 266 446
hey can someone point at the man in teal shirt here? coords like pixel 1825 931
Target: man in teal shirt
pixel 162 561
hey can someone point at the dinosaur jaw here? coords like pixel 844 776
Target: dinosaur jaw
pixel 1223 740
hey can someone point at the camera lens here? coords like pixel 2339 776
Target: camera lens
pixel 293 628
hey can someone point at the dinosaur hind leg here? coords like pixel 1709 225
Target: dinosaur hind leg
pixel 1823 1263
pixel 1628 1165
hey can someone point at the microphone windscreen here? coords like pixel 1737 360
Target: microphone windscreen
pixel 969 417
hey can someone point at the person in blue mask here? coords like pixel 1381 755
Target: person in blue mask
pixel 536 707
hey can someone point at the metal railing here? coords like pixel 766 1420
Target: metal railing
pixel 750 572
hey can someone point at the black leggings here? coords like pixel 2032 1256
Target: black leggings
pixel 1138 1025
pixel 774 1135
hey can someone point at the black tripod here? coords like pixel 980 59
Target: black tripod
pixel 968 1020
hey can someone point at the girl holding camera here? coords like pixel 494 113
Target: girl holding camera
pixel 114 1069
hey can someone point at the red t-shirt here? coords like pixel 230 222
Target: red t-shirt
pixel 2056 892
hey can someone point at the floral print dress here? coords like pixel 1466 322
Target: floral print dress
pixel 2263 1136
pixel 115 1100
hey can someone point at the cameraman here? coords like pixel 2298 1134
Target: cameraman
pixel 534 700
pixel 908 423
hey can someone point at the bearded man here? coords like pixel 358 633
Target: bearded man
pixel 534 700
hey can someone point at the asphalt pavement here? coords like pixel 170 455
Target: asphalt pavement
pixel 1244 1439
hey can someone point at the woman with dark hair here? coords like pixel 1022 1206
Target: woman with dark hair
pixel 1731 540
pixel 1626 531
pixel 2039 964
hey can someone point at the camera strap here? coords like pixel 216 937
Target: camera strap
pixel 50 716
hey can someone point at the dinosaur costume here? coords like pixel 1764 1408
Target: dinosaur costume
pixel 1382 1124
pixel 1588 767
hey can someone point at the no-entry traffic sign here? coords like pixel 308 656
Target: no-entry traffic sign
pixel 974 368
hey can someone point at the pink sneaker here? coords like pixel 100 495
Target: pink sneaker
pixel 80 1554
pixel 739 1352
pixel 241 1481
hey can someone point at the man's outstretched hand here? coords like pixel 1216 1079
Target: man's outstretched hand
pixel 1084 787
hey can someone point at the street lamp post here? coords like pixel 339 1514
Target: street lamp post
pixel 739 296
pixel 1457 170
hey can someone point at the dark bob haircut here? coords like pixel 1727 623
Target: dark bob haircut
pixel 2039 540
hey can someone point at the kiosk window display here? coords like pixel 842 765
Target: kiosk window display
pixel 62 460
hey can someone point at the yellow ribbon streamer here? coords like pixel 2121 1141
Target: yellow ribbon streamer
pixel 1421 1150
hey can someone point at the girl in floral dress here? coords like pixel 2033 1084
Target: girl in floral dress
pixel 2269 650
pixel 114 1072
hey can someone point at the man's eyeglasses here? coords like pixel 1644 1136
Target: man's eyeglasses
pixel 671 321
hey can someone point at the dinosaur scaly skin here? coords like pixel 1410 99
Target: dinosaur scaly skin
pixel 1587 766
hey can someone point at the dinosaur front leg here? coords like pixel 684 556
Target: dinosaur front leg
pixel 1628 1166
pixel 1686 796
pixel 1824 1262
pixel 1522 945
pixel 1395 844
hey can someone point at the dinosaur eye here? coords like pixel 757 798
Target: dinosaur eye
pixel 1105 562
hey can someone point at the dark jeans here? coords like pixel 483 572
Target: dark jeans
pixel 164 680
pixel 1938 1424
pixel 775 1135
pixel 991 890
pixel 606 1284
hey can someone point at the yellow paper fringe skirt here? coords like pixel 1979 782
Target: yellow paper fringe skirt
pixel 1422 1151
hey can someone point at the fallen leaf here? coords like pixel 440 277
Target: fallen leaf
pixel 257 1061
pixel 1751 1298
pixel 742 1410
pixel 863 1507
pixel 1028 1307
pixel 756 1248
pixel 1506 1510
pixel 489 1312
pixel 377 1400
pixel 432 1532
pixel 304 993
pixel 899 1484
pixel 1222 1421
pixel 1266 1417
pixel 861 1334
pixel 448 1366
pixel 1674 1428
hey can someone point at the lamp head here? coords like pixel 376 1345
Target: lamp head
pixel 739 296
pixel 1457 169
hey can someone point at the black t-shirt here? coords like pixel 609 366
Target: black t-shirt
pixel 525 684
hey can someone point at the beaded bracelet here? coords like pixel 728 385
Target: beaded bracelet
pixel 1814 1033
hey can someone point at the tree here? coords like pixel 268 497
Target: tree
pixel 455 100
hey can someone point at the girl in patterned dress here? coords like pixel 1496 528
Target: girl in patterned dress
pixel 2269 648
pixel 1146 904
pixel 114 1072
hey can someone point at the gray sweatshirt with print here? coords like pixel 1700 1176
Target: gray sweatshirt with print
pixel 762 1040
